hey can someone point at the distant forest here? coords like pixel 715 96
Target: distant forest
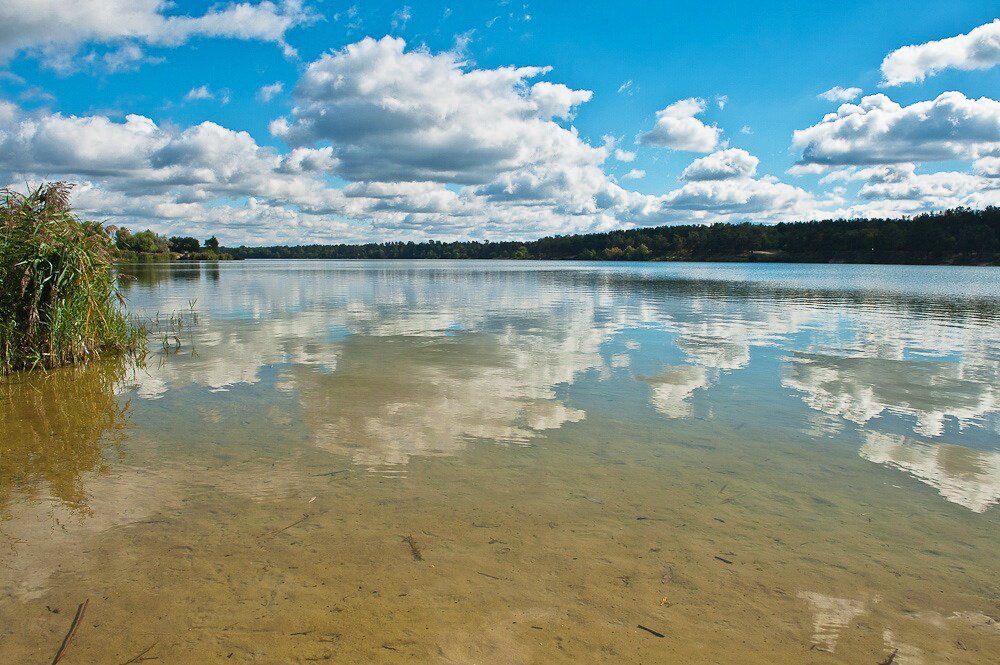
pixel 959 236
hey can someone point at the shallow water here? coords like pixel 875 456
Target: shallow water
pixel 513 463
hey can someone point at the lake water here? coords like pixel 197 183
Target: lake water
pixel 471 462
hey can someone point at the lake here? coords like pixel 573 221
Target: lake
pixel 516 462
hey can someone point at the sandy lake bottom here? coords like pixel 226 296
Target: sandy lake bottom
pixel 516 463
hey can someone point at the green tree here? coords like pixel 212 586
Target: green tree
pixel 614 253
pixel 143 242
pixel 184 245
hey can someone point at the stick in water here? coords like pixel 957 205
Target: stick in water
pixel 72 631
pixel 651 631
pixel 414 550
pixel 141 656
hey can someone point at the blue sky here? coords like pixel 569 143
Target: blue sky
pixel 427 137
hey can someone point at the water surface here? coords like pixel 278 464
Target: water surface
pixel 515 462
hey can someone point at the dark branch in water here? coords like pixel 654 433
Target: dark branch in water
pixel 295 523
pixel 138 658
pixel 492 577
pixel 72 631
pixel 414 550
pixel 330 473
pixel 891 659
pixel 651 631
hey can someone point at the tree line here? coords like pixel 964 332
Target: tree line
pixel 959 236
pixel 148 243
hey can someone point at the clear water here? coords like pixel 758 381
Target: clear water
pixel 468 462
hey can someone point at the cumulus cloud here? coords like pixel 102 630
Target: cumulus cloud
pixel 201 92
pixel 269 91
pixel 207 178
pixel 880 131
pixel 976 49
pixel 398 115
pixel 743 198
pixel 157 169
pixel 56 30
pixel 930 191
pixel 839 94
pixel 624 155
pixel 678 128
pixel 897 189
pixel 429 147
pixel 987 166
pixel 137 172
pixel 802 169
pixel 722 165
pixel 634 174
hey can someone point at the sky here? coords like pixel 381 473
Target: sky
pixel 321 121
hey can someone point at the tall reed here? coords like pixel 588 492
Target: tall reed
pixel 59 298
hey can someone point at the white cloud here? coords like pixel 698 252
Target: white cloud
pixel 742 198
pixel 987 166
pixel 880 131
pixel 201 92
pixel 634 174
pixel 397 115
pixel 721 101
pixel 807 169
pixel 839 94
pixel 55 30
pixel 977 49
pixel 125 58
pixel 157 169
pixel 624 155
pixel 269 91
pixel 208 178
pixel 897 189
pixel 555 100
pixel 430 147
pixel 722 165
pixel 677 128
pixel 626 88
pixel 930 191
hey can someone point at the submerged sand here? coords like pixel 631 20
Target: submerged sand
pixel 511 490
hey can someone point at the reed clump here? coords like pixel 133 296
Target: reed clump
pixel 59 298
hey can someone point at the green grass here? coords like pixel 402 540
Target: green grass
pixel 59 298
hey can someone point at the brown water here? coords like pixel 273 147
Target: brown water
pixel 516 463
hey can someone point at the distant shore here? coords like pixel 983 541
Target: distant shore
pixel 952 237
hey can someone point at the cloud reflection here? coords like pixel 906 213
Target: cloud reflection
pixel 861 389
pixel 392 360
pixel 965 476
